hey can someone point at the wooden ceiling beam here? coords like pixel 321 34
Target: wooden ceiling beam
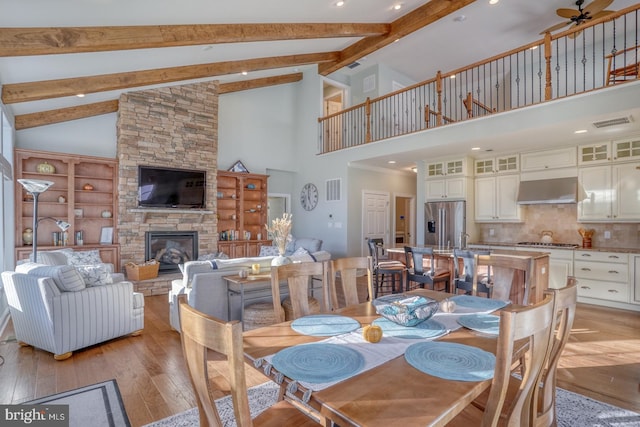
pixel 42 118
pixel 426 14
pixel 33 91
pixel 48 41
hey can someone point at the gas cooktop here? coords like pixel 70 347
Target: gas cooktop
pixel 548 245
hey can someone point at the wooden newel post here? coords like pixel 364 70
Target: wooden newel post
pixel 547 57
pixel 439 91
pixel 367 113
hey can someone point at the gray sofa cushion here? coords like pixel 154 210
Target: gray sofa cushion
pixel 309 243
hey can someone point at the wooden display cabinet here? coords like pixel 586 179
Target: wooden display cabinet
pixel 84 194
pixel 241 213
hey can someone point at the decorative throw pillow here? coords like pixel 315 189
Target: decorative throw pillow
pixel 57 257
pixel 268 251
pixel 301 255
pixel 66 277
pixel 95 275
pixel 84 257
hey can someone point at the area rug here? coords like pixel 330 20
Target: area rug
pixel 574 410
pixel 97 405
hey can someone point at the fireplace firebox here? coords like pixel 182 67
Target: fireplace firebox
pixel 171 248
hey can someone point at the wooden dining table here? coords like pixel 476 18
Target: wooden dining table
pixel 391 394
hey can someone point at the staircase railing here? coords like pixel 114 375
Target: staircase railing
pixel 580 59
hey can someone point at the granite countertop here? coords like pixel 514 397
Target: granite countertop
pixel 595 249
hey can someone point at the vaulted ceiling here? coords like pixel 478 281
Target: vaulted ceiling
pixel 52 51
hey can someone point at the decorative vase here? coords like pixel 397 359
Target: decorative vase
pixel 106 214
pixel 280 260
pixel 27 236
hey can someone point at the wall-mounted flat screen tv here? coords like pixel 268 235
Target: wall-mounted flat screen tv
pixel 160 187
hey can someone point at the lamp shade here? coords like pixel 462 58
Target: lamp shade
pixel 34 186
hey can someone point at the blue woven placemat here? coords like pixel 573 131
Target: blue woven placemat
pixel 451 361
pixel 318 363
pixel 427 329
pixel 480 303
pixel 481 322
pixel 324 325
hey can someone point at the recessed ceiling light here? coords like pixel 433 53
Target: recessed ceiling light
pixel 339 3
pixel 397 6
pixel 493 1
pixel 391 162
pixel 80 95
pixel 581 131
pixel 476 149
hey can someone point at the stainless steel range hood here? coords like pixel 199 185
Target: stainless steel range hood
pixel 547 191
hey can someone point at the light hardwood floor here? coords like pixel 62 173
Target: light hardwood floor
pixel 601 360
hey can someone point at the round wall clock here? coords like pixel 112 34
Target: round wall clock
pixel 309 196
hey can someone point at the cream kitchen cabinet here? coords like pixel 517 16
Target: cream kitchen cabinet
pixel 549 159
pixel 609 151
pixel 602 276
pixel 612 192
pixel 447 179
pixel 504 164
pixel 634 260
pixel 495 199
pixel 447 188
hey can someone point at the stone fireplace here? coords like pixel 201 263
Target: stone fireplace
pixel 171 248
pixel 174 127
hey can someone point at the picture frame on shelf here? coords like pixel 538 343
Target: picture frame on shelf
pixel 78 212
pixel 238 167
pixel 106 235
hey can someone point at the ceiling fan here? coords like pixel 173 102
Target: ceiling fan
pixel 579 16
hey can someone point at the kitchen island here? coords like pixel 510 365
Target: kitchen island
pixel 525 272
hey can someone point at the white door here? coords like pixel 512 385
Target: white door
pixel 375 218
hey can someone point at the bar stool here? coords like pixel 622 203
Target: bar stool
pixel 463 280
pixel 435 278
pixel 386 274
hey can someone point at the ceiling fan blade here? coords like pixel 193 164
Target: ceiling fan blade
pixel 596 6
pixel 574 35
pixel 568 13
pixel 602 13
pixel 555 27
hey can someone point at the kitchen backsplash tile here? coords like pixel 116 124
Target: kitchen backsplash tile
pixel 561 220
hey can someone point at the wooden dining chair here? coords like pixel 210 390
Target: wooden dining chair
pixel 544 399
pixel 349 269
pixel 298 277
pixel 505 272
pixel 524 332
pixel 203 335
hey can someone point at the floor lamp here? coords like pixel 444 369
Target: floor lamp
pixel 35 187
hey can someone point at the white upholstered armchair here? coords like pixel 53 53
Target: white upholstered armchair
pixel 52 308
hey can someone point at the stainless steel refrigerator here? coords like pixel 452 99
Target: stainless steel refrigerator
pixel 445 224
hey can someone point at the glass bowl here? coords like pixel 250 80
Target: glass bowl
pixel 406 310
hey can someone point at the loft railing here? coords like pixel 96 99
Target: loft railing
pixel 582 59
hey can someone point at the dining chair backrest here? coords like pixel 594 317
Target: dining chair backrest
pixel 524 332
pixel 200 334
pixel 565 308
pixel 298 277
pixel 415 256
pixel 376 250
pixel 504 272
pixel 467 278
pixel 350 269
